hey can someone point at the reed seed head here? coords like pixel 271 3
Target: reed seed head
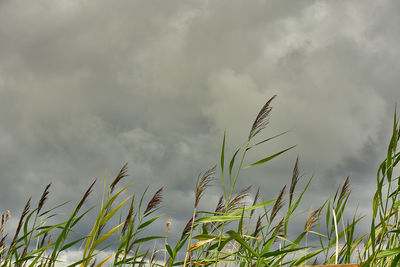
pixel 280 226
pixel 262 119
pixel 188 226
pixel 43 198
pixel 313 218
pixel 85 196
pixel 122 174
pixel 127 219
pixel 155 201
pixel 220 205
pixel 345 189
pixel 43 240
pixel 255 201
pixel 4 218
pixel 238 201
pixel 202 183
pixel 295 179
pixel 258 226
pixel 25 212
pixel 279 203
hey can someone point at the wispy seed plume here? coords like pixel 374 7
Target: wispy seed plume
pixel 280 227
pixel 238 201
pixel 345 189
pixel 127 219
pixel 202 183
pixel 43 240
pixel 220 205
pixel 258 227
pixel 43 198
pixel 279 203
pixel 255 201
pixel 312 219
pixel 85 196
pixel 262 119
pixel 122 174
pixel 188 227
pixel 4 218
pixel 155 201
pixel 295 179
pixel 21 220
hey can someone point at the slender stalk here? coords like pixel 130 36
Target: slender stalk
pixel 337 236
pixel 190 238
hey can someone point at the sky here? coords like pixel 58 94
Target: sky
pixel 86 86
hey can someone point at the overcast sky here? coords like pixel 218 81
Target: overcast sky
pixel 89 85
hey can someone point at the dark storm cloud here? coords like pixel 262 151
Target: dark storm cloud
pixel 89 85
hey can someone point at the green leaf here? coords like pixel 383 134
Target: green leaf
pixel 109 215
pixel 146 223
pixel 223 164
pixel 279 252
pixel 169 250
pixel 268 139
pixel 252 207
pixel 223 156
pixel 389 252
pixel 269 158
pixel 231 164
pixel 70 244
pixel 145 239
pixel 222 218
pixel 240 240
pixel 105 236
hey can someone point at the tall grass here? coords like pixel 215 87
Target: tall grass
pixel 244 229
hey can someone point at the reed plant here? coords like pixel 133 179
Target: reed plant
pixel 244 229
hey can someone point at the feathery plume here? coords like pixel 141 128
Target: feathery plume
pixel 155 201
pixel 43 198
pixel 262 119
pixel 43 240
pixel 21 219
pixel 188 226
pixel 345 189
pixel 122 174
pixel 4 219
pixel 220 205
pixel 127 219
pixel 279 203
pixel 255 201
pixel 295 179
pixel 237 202
pixel 2 244
pixel 258 226
pixel 312 218
pixel 85 196
pixel 279 227
pixel 202 183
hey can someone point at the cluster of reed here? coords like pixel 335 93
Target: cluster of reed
pixel 238 232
